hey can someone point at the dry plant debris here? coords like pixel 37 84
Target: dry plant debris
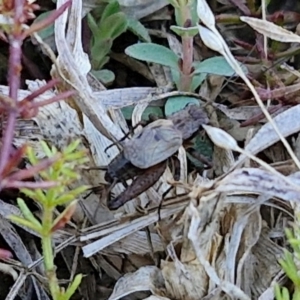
pixel 221 233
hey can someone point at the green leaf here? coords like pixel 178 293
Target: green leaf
pixel 194 14
pixel 112 27
pixel 107 77
pixel 174 3
pixel 197 80
pixel 111 8
pixel 155 110
pixel 216 65
pixel 177 103
pixel 139 30
pixel 47 150
pixel 92 24
pixel 48 31
pixel 153 53
pixel 31 156
pixel 204 145
pixel 70 195
pixel 183 31
pixel 176 77
pixel 23 222
pixel 28 214
pixel 99 53
pixel 73 287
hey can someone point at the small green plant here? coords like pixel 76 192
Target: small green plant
pixel 290 264
pixel 105 28
pixel 111 24
pixel 61 173
pixel 187 74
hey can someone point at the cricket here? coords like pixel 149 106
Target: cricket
pixel 144 156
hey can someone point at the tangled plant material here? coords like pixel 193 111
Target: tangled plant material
pixel 50 190
pixel 219 243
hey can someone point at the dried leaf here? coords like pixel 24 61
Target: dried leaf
pixel 288 122
pixel 205 14
pixel 257 181
pixel 145 279
pixel 271 30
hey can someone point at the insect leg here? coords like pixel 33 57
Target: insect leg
pixel 106 193
pixel 201 158
pixel 175 168
pixel 139 185
pixel 104 168
pixel 125 136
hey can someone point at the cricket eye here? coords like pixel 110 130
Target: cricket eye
pixel 139 135
pixel 156 137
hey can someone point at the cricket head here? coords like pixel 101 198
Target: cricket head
pixel 189 120
pixel 197 114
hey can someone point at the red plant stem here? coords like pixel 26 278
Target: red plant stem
pixel 14 81
pixel 187 49
pixel 30 172
pixel 28 184
pixel 47 21
pixel 56 98
pixel 187 61
pixel 42 90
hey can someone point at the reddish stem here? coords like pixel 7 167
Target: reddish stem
pixel 42 90
pixel 28 184
pixel 47 21
pixel 187 49
pixel 14 81
pixel 187 62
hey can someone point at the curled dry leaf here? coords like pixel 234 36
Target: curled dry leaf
pixel 145 279
pixel 271 30
pixel 7 269
pixel 73 72
pixel 251 180
pixel 288 122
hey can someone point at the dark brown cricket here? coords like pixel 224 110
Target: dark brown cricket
pixel 144 156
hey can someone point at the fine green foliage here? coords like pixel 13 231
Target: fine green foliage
pixel 59 175
pixel 105 28
pixel 186 20
pixel 112 24
pixel 290 264
pixel 154 53
pixel 139 30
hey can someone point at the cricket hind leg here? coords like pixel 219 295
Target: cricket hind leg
pixel 139 185
pixel 206 162
pixel 105 190
pixel 175 168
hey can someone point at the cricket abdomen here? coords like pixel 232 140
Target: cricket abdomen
pixel 139 185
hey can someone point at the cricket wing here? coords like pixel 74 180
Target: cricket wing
pixel 154 144
pixel 139 185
